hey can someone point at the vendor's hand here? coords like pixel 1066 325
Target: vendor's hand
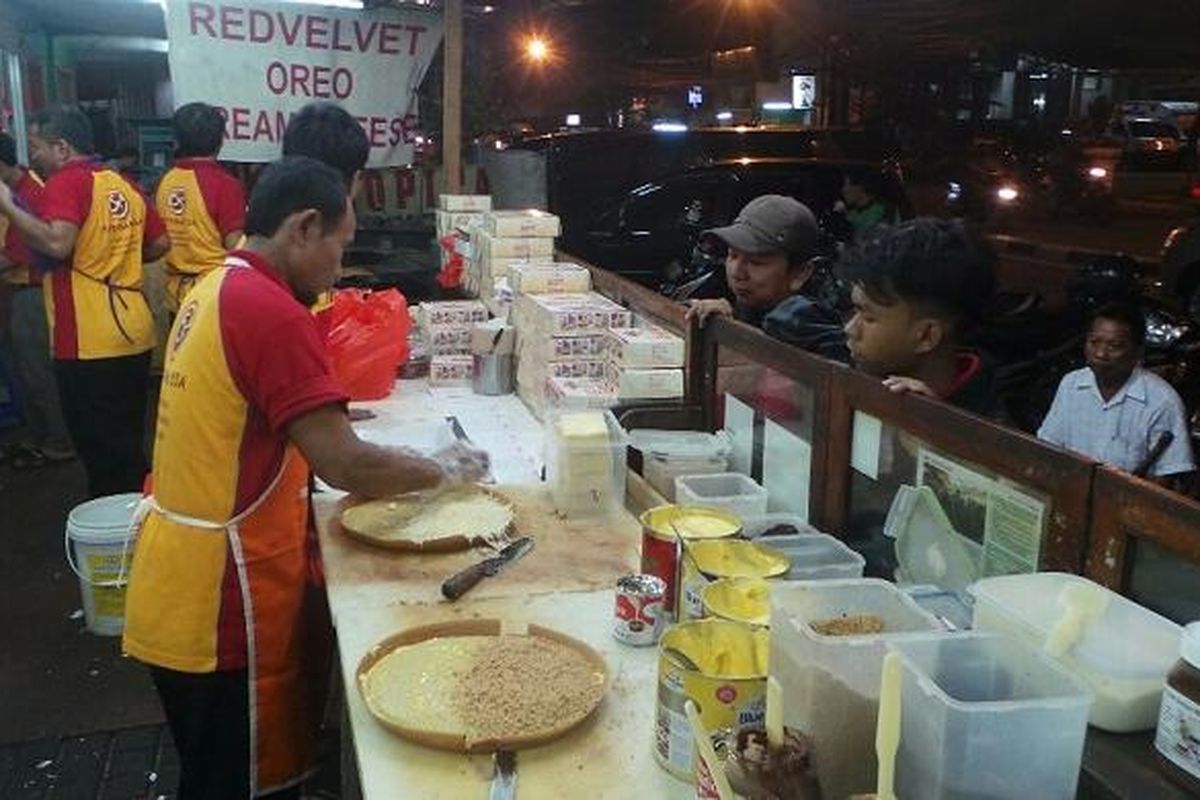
pixel 462 463
pixel 703 309
pixel 6 198
pixel 902 385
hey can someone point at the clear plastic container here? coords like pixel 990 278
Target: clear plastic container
pixel 831 683
pixel 1121 650
pixel 730 491
pixel 585 461
pixel 754 527
pixel 816 556
pixel 668 454
pixel 983 717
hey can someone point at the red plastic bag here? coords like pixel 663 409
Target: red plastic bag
pixel 451 274
pixel 368 340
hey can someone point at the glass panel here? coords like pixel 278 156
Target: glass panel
pixel 966 521
pixel 780 448
pixel 1164 582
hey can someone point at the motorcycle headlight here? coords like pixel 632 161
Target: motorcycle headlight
pixel 953 191
pixel 1162 332
pixel 1007 194
pixel 1097 173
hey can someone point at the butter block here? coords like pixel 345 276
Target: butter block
pixel 449 339
pixel 645 384
pixel 647 347
pixel 591 347
pixel 529 247
pixel 579 393
pixel 451 370
pixel 526 222
pixel 465 202
pixel 453 312
pixel 551 278
pixel 569 314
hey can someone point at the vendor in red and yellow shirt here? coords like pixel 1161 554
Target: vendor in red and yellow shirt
pixel 225 600
pixel 203 206
pixel 100 229
pixel 44 436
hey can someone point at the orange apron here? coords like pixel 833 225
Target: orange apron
pixel 288 629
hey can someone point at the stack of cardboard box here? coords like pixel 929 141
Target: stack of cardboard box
pixel 562 336
pixel 447 327
pixel 504 239
pixel 645 363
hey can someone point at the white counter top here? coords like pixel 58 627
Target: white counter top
pixel 609 757
pixel 565 583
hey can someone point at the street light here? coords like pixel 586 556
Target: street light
pixel 537 49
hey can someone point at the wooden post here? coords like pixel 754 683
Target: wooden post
pixel 452 96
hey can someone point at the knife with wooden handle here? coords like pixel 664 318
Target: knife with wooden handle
pixel 460 582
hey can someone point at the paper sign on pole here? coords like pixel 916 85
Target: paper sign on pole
pixel 260 62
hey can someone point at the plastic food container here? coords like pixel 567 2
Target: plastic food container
pixel 732 491
pixel 831 683
pixel 668 454
pixel 984 717
pixel 816 556
pixel 585 461
pixel 1119 649
pixel 754 527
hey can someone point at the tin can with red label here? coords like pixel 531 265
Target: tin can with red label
pixel 665 528
pixel 639 612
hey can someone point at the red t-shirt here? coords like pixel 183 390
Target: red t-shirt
pixel 27 192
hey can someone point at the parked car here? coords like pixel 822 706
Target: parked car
pixel 651 233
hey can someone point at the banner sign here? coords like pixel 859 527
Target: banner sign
pixel 260 62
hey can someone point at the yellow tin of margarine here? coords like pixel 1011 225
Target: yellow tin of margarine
pixel 729 687
pixel 706 561
pixel 745 600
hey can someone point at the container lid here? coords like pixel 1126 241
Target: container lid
pixel 666 444
pixel 105 513
pixel 1189 644
pixel 928 548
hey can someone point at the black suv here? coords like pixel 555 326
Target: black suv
pixel 651 233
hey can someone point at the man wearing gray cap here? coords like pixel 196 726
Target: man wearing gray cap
pixel 771 246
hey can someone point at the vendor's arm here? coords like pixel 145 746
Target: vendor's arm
pixel 346 462
pixel 55 238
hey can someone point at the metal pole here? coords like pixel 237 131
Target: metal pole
pixel 16 94
pixel 452 96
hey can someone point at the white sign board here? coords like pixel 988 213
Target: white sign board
pixel 260 62
pixel 804 91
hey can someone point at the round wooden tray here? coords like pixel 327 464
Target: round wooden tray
pixel 444 544
pixel 478 627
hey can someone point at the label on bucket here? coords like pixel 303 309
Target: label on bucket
pixel 107 601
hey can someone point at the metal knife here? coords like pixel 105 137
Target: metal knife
pixel 457 584
pixel 504 780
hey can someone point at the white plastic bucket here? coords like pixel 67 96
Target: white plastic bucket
pixel 99 545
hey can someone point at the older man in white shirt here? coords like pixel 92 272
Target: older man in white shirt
pixel 1115 411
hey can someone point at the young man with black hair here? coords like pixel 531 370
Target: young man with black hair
pixel 203 206
pixel 915 286
pixel 45 435
pixel 226 596
pixel 100 229
pixel 770 247
pixel 1115 411
pixel 327 132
